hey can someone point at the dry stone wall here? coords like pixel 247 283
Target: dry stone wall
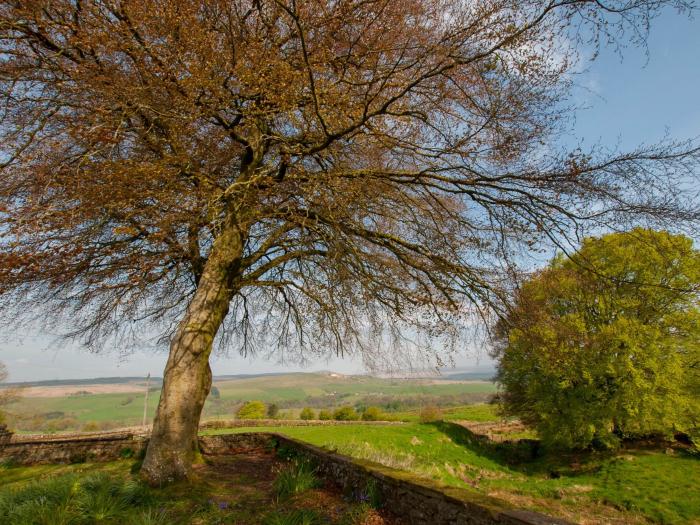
pixel 32 450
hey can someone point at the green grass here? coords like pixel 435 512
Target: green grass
pixel 480 412
pixel 294 478
pixel 110 494
pixel 633 486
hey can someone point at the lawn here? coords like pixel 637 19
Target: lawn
pixel 633 486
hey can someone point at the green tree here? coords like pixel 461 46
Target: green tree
pixel 307 414
pixel 325 415
pixel 214 393
pixel 273 411
pixel 605 344
pixel 372 414
pixel 345 414
pixel 252 410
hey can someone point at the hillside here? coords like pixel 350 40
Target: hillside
pixel 114 402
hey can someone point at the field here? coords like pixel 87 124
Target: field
pixel 634 486
pixel 105 405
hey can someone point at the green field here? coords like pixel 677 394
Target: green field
pixel 290 391
pixel 634 486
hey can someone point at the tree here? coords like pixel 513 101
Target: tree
pixel 7 395
pixel 303 176
pixel 325 415
pixel 345 414
pixel 215 393
pixel 307 414
pixel 606 344
pixel 372 414
pixel 252 410
pixel 273 411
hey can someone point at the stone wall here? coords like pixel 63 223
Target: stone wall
pixel 32 450
pixel 416 500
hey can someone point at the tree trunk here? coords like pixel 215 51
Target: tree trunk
pixel 187 378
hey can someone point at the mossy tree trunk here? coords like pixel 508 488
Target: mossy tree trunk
pixel 187 378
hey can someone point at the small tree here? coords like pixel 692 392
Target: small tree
pixel 607 343
pixel 325 415
pixel 430 414
pixel 346 414
pixel 307 414
pixel 214 393
pixel 252 410
pixel 372 414
pixel 273 411
pixel 7 395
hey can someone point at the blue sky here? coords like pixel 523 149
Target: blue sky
pixel 636 100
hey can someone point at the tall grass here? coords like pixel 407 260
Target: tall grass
pixel 71 499
pixel 294 478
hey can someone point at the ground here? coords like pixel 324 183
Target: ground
pixel 238 490
pixel 639 484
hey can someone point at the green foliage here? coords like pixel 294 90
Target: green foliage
pixel 215 393
pixel 606 345
pixel 273 411
pixel 252 410
pixel 345 414
pixel 295 477
pixel 430 414
pixel 71 499
pixel 373 414
pixel 325 415
pixel 307 414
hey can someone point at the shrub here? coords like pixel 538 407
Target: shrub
pixel 372 414
pixel 273 411
pixel 294 478
pixel 430 413
pixel 307 414
pixel 346 414
pixel 252 410
pixel 325 415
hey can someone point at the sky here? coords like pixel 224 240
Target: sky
pixel 637 99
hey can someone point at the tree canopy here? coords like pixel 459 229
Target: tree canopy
pixel 606 344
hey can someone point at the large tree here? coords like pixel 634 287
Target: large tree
pixel 347 175
pixel 606 344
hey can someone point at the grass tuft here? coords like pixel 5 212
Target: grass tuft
pixel 294 478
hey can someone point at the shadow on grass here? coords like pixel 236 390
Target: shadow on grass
pixel 524 455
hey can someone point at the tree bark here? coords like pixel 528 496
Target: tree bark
pixel 187 378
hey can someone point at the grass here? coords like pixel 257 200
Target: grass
pixel 633 486
pixel 294 478
pixel 480 412
pixel 226 493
